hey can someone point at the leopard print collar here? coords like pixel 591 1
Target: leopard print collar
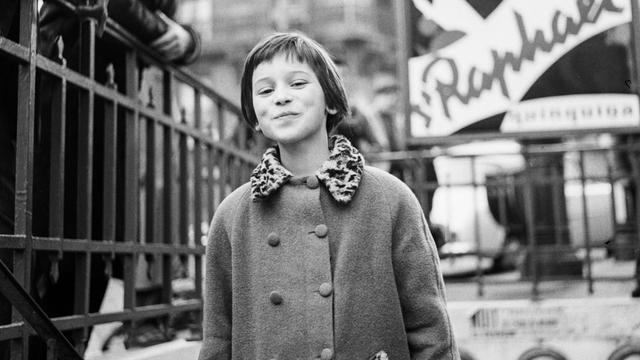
pixel 340 174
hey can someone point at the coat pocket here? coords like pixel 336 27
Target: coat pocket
pixel 380 355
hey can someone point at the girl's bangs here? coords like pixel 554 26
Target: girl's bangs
pixel 293 49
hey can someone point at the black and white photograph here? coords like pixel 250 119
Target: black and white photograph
pixel 319 179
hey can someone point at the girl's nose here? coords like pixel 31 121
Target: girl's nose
pixel 282 98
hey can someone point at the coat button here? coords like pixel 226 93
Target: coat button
pixel 312 182
pixel 273 239
pixel 321 230
pixel 326 354
pixel 275 297
pixel 325 289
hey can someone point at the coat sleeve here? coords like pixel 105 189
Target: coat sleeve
pixel 140 18
pixel 216 343
pixel 420 284
pixel 137 18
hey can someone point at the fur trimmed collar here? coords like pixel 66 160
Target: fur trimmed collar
pixel 340 174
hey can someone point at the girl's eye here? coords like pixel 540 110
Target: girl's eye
pixel 265 91
pixel 298 83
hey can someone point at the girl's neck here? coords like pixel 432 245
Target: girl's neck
pixel 304 158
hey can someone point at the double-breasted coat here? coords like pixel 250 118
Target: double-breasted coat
pixel 307 272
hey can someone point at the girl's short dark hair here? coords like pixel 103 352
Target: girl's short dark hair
pixel 304 49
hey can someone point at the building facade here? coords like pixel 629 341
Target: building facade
pixel 359 32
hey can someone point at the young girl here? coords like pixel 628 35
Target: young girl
pixel 318 256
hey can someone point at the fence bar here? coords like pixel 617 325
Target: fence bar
pixel 557 191
pixel 13 49
pixel 183 191
pixel 11 331
pixel 56 165
pixel 169 211
pixel 532 254
pixel 636 249
pixel 223 179
pixel 24 162
pixel 502 210
pixel 476 227
pixel 71 322
pixel 610 178
pixel 197 205
pixel 151 205
pixel 109 169
pixel 221 121
pixel 211 182
pixel 585 224
pixel 74 245
pixel 130 198
pixel 150 182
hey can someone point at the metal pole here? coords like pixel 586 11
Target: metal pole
pixel 23 206
pixel 403 41
pixel 635 70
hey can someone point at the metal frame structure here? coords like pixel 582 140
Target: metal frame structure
pixel 207 169
pixel 531 184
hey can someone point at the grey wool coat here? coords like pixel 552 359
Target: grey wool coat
pixel 317 268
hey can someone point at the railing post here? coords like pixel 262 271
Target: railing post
pixel 635 248
pixel 57 161
pixel 86 61
pixel 169 211
pixel 130 186
pixel 585 224
pixel 476 228
pixel 109 168
pixel 24 163
pixel 197 204
pixel 183 191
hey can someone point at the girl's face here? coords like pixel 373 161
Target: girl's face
pixel 288 101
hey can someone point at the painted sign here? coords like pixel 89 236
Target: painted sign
pixel 562 113
pixel 490 69
pixel 584 319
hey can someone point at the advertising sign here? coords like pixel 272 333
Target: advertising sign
pixel 487 71
pixel 563 113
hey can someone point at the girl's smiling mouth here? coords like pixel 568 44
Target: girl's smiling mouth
pixel 286 114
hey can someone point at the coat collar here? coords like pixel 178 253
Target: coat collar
pixel 340 174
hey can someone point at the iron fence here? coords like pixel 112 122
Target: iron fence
pixel 109 176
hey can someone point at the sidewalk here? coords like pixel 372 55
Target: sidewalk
pixel 178 349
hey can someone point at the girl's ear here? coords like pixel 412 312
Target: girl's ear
pixel 257 128
pixel 332 111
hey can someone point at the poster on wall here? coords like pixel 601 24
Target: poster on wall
pixel 489 62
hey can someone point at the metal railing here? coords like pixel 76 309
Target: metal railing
pixel 553 212
pixel 113 178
